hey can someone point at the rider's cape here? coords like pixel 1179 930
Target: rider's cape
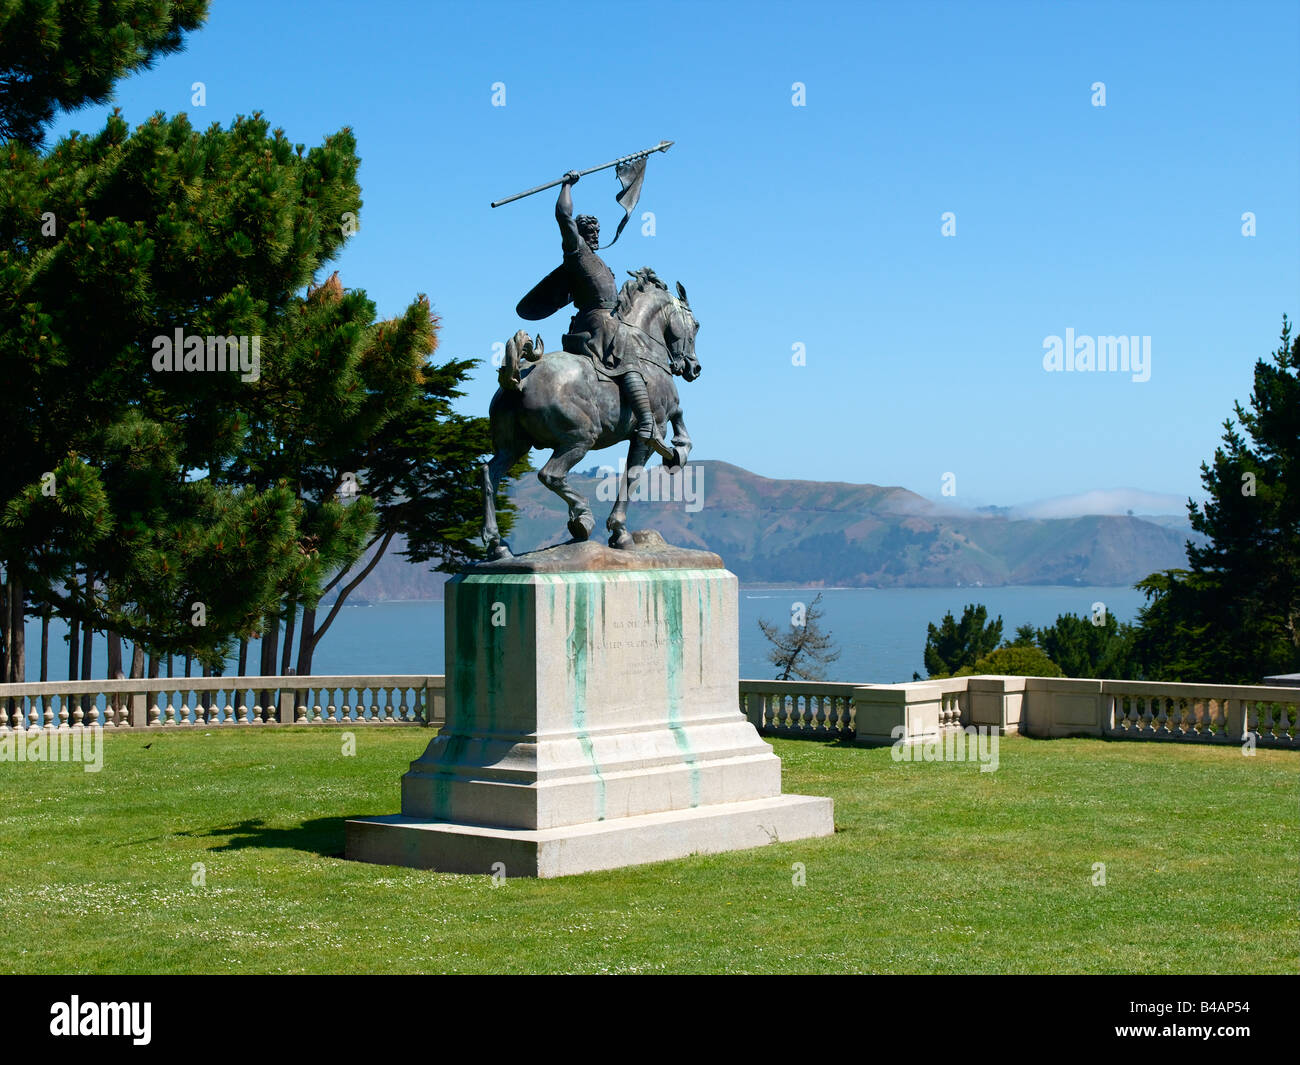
pixel 550 295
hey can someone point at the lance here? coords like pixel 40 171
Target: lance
pixel 662 146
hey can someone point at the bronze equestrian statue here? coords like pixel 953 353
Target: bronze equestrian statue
pixel 612 381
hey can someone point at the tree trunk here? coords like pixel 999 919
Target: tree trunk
pixel 153 665
pixel 287 656
pixel 6 646
pixel 17 640
pixel 114 655
pixel 114 672
pixel 45 643
pixel 88 645
pixel 137 661
pixel 351 586
pixel 243 658
pixel 307 641
pixel 270 644
pixel 74 648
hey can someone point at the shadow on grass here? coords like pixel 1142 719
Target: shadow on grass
pixel 322 836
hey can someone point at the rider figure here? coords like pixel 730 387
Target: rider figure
pixel 592 289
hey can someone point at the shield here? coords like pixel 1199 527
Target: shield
pixel 546 297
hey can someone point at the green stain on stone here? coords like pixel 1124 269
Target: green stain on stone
pixel 581 604
pixel 671 594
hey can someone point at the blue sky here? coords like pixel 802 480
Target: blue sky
pixel 820 225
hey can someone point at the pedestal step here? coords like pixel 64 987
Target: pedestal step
pixel 585 848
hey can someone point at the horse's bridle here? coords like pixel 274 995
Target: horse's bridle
pixel 676 352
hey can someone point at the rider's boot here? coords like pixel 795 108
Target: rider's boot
pixel 635 393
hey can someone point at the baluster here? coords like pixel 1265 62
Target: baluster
pixel 402 713
pixel 64 718
pixel 77 713
pixel 375 709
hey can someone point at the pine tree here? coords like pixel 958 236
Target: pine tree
pixel 64 54
pixel 1233 615
pixel 954 644
pixel 802 650
pixel 178 489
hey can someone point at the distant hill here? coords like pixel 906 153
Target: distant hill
pixel 836 534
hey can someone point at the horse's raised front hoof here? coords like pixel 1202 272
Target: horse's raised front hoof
pixel 498 551
pixel 622 540
pixel 581 526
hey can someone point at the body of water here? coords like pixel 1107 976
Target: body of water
pixel 880 632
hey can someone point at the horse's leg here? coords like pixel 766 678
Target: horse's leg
pixel 681 442
pixel 555 476
pixel 490 480
pixel 638 451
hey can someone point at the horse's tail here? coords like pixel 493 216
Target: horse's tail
pixel 519 350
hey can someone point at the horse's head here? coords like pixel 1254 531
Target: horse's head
pixel 680 337
pixel 646 303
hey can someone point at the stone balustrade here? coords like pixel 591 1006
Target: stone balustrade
pixel 921 711
pixel 868 714
pixel 226 701
pixel 797 708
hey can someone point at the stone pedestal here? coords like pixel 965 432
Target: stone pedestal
pixel 592 723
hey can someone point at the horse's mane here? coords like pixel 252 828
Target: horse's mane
pixel 642 280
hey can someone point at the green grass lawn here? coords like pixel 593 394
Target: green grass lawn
pixel 934 868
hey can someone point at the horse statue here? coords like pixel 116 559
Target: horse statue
pixel 567 402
